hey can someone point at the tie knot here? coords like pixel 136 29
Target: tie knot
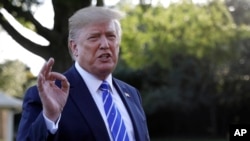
pixel 105 86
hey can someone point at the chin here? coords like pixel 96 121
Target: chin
pixel 103 74
pixel 107 67
pixel 106 70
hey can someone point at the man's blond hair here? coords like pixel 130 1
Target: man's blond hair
pixel 93 14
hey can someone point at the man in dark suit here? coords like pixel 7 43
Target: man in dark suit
pixel 71 106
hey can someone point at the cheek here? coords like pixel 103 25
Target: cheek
pixel 117 50
pixel 115 55
pixel 88 55
pixel 82 55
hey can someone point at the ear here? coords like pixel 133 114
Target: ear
pixel 73 48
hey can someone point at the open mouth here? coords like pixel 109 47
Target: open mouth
pixel 104 56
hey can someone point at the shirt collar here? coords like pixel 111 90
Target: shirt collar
pixel 92 82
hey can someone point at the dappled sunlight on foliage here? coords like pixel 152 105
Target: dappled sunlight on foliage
pixel 191 64
pixel 157 33
pixel 14 78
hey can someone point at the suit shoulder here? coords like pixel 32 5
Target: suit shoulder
pixel 32 94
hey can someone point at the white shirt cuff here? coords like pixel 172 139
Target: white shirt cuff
pixel 51 126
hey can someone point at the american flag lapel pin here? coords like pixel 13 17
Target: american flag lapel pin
pixel 127 95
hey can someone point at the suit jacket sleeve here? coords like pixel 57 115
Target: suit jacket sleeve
pixel 32 126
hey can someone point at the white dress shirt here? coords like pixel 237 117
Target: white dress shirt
pixel 93 85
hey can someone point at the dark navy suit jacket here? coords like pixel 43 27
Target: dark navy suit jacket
pixel 80 119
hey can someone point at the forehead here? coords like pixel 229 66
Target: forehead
pixel 104 26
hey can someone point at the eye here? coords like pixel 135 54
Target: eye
pixel 111 36
pixel 93 37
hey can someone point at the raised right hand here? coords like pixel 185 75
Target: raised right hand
pixel 53 98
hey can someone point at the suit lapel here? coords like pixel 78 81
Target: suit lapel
pixel 129 102
pixel 83 100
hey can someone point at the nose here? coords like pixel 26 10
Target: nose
pixel 104 42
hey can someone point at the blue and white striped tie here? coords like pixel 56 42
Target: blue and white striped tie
pixel 116 124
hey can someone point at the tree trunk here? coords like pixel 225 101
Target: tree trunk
pixel 58 36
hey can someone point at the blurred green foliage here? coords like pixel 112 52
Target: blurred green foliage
pixel 154 34
pixel 15 77
pixel 191 65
